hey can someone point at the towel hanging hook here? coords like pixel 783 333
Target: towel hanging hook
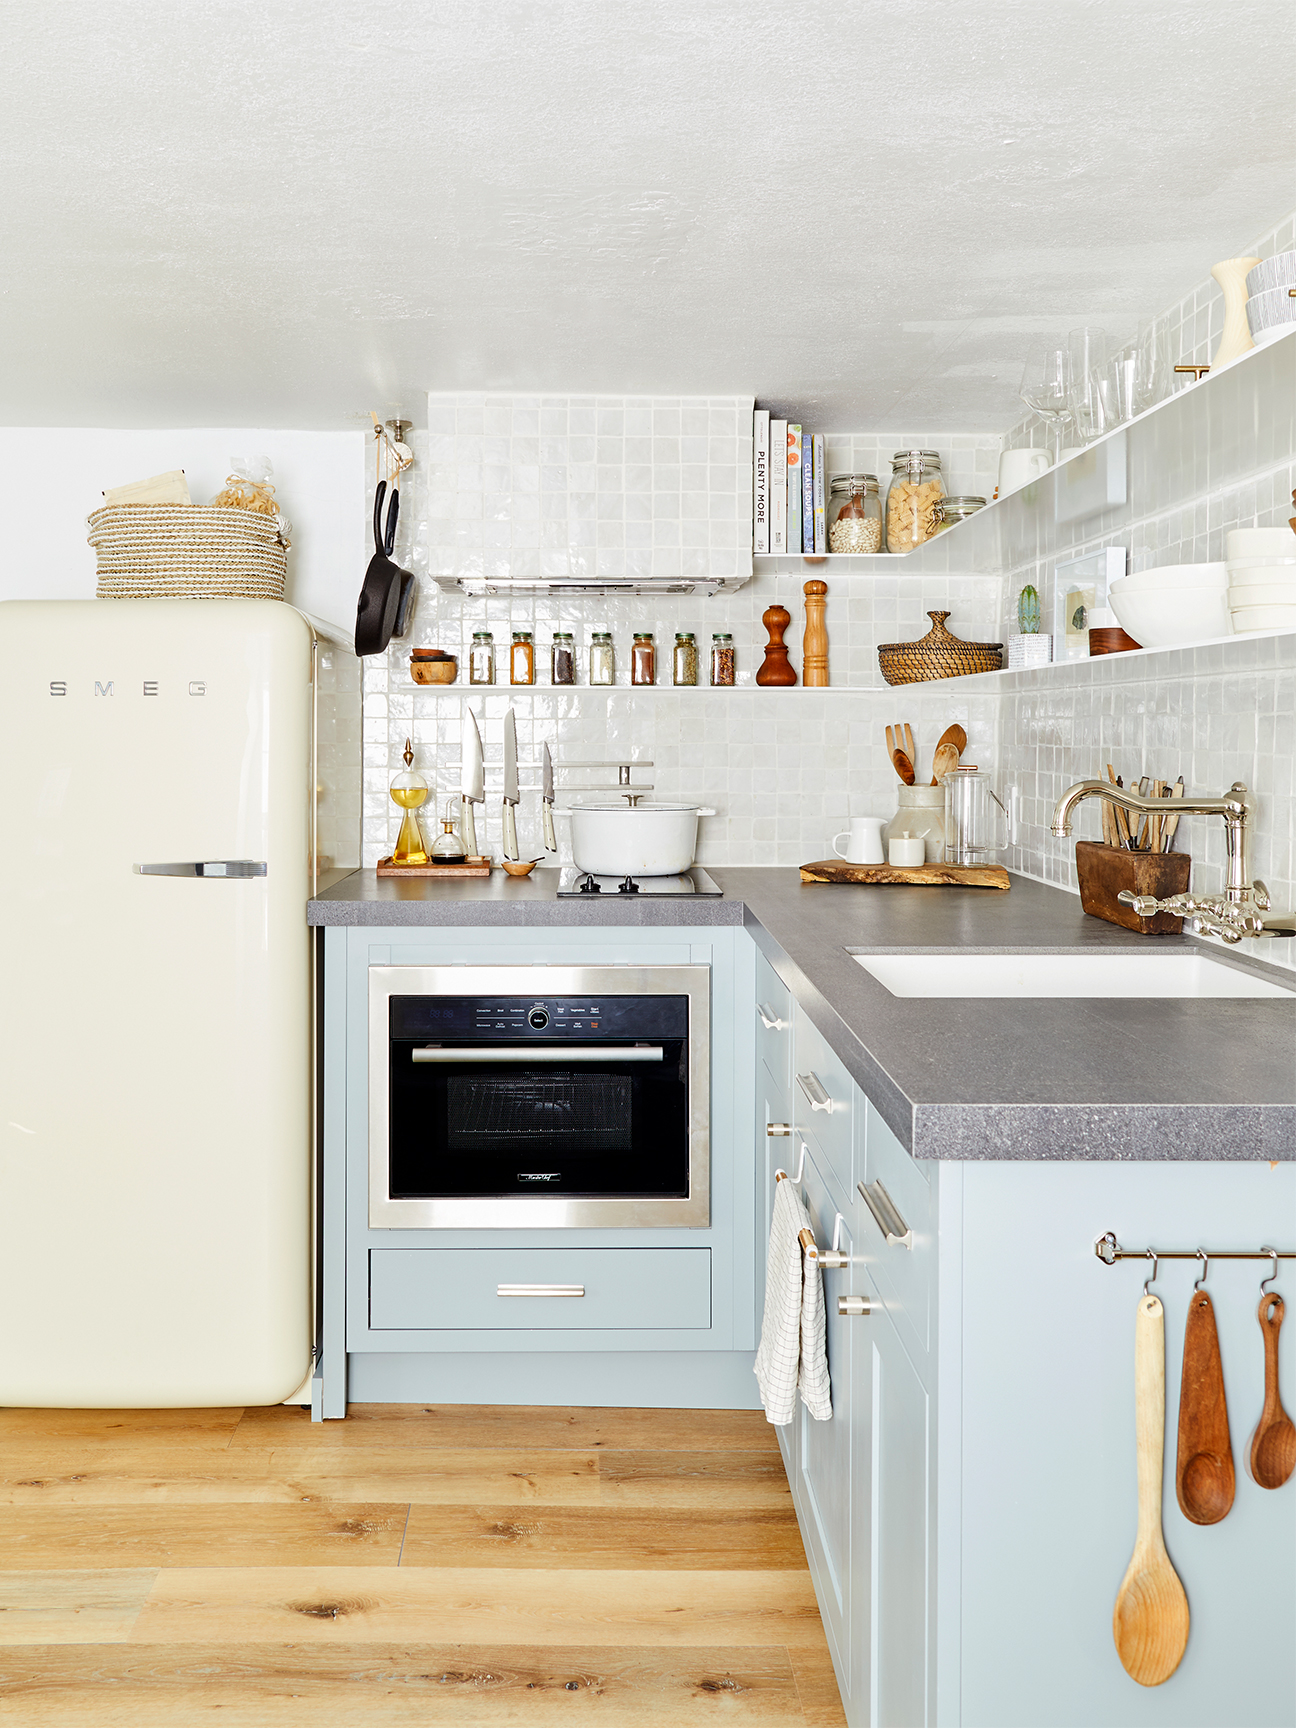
pixel 783 1176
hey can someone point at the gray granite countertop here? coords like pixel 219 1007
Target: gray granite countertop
pixel 954 1077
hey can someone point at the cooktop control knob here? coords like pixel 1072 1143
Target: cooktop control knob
pixel 538 1018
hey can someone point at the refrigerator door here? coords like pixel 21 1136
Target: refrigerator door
pixel 155 1150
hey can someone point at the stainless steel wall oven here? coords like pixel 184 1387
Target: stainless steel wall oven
pixel 539 1096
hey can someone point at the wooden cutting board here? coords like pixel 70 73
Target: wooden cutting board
pixel 913 876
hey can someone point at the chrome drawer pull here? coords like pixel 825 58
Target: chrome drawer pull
pixel 816 1096
pixel 539 1289
pixel 526 1053
pixel 885 1215
pixel 850 1306
pixel 769 1019
pixel 778 1130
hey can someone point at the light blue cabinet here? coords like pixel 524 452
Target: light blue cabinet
pixel 669 1316
pixel 969 1511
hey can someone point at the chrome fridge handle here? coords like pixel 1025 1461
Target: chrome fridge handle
pixel 205 867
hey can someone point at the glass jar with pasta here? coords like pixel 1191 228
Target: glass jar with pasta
pixel 913 503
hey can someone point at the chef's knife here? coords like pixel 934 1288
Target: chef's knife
pixel 472 784
pixel 510 786
pixel 546 808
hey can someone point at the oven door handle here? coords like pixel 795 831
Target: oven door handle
pixel 542 1053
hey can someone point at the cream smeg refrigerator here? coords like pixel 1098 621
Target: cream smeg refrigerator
pixel 156 797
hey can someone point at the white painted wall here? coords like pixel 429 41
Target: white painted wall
pixel 52 478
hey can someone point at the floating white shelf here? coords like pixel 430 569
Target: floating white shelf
pixel 1233 424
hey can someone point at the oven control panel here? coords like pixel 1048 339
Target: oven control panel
pixel 493 1019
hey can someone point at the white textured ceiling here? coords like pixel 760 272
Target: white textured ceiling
pixel 288 213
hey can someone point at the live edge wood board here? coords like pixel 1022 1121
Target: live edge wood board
pixel 917 876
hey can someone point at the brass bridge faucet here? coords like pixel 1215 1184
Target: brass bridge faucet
pixel 1238 912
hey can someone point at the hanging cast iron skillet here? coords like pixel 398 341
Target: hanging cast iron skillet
pixel 387 594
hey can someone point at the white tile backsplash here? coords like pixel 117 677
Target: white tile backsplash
pixel 784 770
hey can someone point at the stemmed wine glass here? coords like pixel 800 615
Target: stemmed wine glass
pixel 1046 385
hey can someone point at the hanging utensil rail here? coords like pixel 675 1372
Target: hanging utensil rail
pixel 1109 1251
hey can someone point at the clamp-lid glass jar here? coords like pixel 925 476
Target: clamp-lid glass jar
pixel 958 509
pixel 854 514
pixel 913 499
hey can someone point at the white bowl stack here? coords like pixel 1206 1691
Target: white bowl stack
pixel 1261 565
pixel 1176 604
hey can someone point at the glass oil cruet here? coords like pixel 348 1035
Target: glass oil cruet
pixel 447 848
pixel 408 791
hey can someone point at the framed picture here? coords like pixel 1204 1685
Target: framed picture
pixel 1080 585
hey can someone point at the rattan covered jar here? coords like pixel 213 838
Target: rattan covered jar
pixel 938 654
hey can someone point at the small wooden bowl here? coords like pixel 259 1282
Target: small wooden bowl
pixel 1111 639
pixel 519 867
pixel 433 667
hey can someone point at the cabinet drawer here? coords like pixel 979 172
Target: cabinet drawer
pixel 904 1276
pixel 458 1289
pixel 820 1079
pixel 773 1005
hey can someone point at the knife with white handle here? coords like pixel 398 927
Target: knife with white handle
pixel 472 785
pixel 546 807
pixel 511 793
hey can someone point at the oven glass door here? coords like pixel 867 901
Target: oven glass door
pixel 531 1100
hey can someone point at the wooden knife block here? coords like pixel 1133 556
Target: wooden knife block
pixel 1105 871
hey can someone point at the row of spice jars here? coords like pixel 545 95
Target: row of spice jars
pixel 916 506
pixel 602 658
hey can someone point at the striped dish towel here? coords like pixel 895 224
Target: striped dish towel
pixel 792 1353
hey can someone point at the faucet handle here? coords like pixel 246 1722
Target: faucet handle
pixel 1146 905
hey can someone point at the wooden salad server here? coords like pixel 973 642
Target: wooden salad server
pixel 1150 1620
pixel 1204 1475
pixel 1273 1445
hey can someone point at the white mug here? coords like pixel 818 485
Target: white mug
pixel 863 840
pixel 1018 468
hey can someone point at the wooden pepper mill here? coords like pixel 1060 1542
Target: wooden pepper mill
pixel 776 668
pixel 814 646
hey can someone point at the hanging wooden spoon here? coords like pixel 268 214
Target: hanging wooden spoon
pixel 954 735
pixel 903 766
pixel 1150 1620
pixel 1204 1475
pixel 1273 1445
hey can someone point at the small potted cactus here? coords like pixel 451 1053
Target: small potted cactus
pixel 1029 647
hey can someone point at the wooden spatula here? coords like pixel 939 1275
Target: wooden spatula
pixel 1273 1445
pixel 1204 1476
pixel 1150 1621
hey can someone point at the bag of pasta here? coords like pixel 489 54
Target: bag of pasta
pixel 248 487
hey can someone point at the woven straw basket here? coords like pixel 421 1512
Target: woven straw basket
pixel 187 552
pixel 937 655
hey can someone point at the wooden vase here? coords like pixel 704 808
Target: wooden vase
pixel 1231 276
pixel 814 644
pixel 776 669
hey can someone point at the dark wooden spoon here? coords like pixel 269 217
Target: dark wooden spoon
pixel 903 766
pixel 1204 1475
pixel 1273 1445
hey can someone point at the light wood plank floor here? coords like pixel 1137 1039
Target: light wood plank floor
pixel 411 1565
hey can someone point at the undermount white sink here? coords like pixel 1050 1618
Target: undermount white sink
pixel 1110 975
